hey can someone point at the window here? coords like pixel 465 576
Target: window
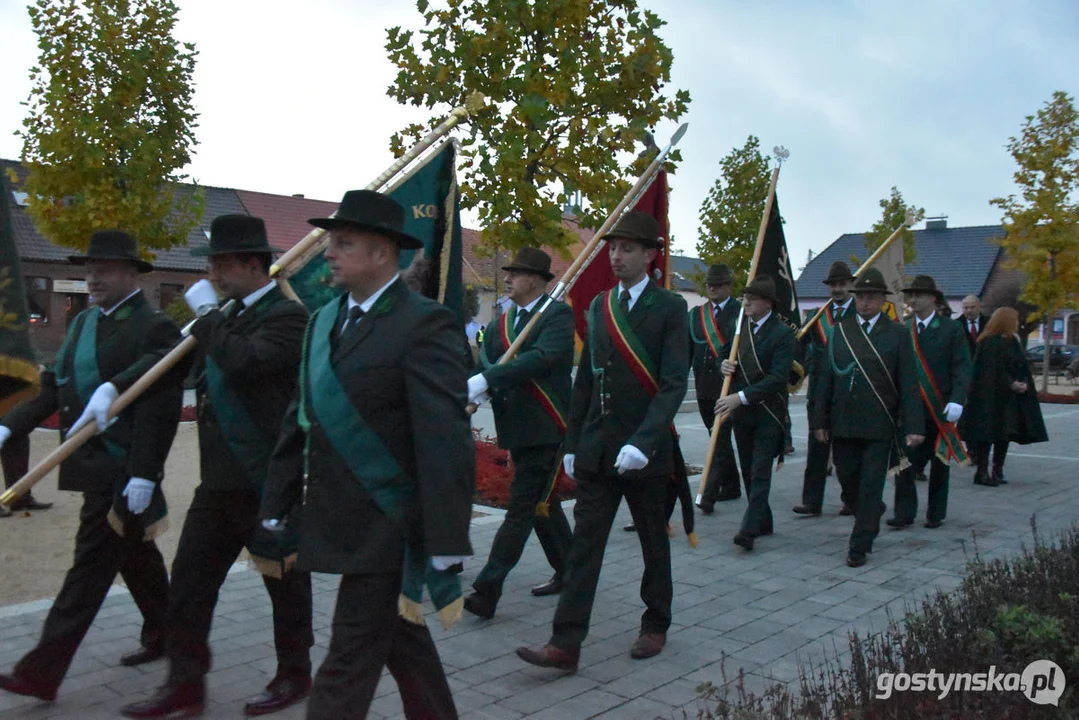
pixel 37 300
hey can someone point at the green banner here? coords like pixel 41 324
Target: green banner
pixel 432 206
pixel 18 371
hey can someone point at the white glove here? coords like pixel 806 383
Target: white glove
pixel 138 493
pixel 629 458
pixel 477 388
pixel 953 411
pixel 273 525
pixel 98 408
pixel 445 562
pixel 201 297
pixel 5 433
pixel 567 464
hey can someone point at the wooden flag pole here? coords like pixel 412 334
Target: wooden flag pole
pixel 296 255
pixel 907 222
pixel 781 154
pixel 591 249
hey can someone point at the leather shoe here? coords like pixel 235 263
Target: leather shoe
pixel 629 527
pixel 707 508
pixel 920 477
pixel 933 524
pixel 551 587
pixel 725 496
pixel 142 656
pixel 647 645
pixel 855 559
pixel 985 480
pixel 283 690
pixel 27 687
pixel 480 606
pixel 29 502
pixel 180 701
pixel 846 510
pixel 806 510
pixel 744 540
pixel 551 657
pixel 899 524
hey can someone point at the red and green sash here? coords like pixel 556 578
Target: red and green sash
pixel 949 446
pixel 627 344
pixel 826 325
pixel 705 330
pixel 542 394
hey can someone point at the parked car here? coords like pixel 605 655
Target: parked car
pixel 1060 356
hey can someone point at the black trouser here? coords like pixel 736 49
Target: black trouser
pixel 723 480
pixel 981 457
pixel 99 554
pixel 534 467
pixel 906 493
pixel 862 467
pixel 598 497
pixel 759 446
pixel 368 635
pixel 218 526
pixel 15 458
pixel 816 474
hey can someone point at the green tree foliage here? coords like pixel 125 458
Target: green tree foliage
pixel 471 302
pixel 110 122
pixel 1041 224
pixel 894 210
pixel 572 85
pixel 730 216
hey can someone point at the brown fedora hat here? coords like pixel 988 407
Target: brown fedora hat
pixel 373 212
pixel 763 286
pixel 872 280
pixel 112 245
pixel 839 272
pixel 638 226
pixel 532 260
pixel 231 234
pixel 924 284
pixel 719 274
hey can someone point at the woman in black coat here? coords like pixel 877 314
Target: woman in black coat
pixel 1002 406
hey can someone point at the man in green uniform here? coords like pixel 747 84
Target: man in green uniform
pixel 759 401
pixel 943 367
pixel 711 329
pixel 378 452
pixel 839 282
pixel 247 366
pixel 631 380
pixel 864 390
pixel 119 471
pixel 530 398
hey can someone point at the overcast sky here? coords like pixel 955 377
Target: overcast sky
pixel 865 94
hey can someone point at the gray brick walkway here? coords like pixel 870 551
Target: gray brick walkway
pixel 793 597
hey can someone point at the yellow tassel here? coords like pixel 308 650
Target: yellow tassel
pixel 542 510
pixel 266 566
pixel 412 611
pixel 450 614
pixel 115 522
pixel 692 537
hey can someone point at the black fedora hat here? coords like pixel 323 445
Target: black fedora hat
pixel 112 245
pixel 231 234
pixel 373 212
pixel 638 226
pixel 839 272
pixel 763 286
pixel 924 284
pixel 872 280
pixel 718 274
pixel 532 260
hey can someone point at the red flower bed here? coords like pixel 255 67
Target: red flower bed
pixel 1045 397
pixel 494 472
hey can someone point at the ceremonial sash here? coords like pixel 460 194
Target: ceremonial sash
pixel 826 325
pixel 750 367
pixel 881 382
pixel 949 445
pixel 393 491
pixel 704 329
pixel 540 391
pixel 83 373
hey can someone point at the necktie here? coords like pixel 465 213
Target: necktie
pixel 837 313
pixel 973 330
pixel 354 314
pixel 623 300
pixel 921 326
pixel 715 311
pixel 865 326
pixel 521 321
pixel 754 327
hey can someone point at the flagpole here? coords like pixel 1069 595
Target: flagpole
pixel 781 154
pixel 907 222
pixel 296 256
pixel 591 249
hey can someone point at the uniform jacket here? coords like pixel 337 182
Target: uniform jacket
pixel 707 378
pixel 946 351
pixel 775 346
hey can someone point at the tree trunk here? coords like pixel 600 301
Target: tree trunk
pixel 1046 349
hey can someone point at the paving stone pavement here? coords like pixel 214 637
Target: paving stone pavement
pixel 792 598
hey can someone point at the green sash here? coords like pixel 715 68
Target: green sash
pixel 393 491
pixel 704 330
pixel 85 375
pixel 949 446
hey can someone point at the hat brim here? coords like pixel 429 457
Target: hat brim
pixel 837 278
pixel 912 290
pixel 142 265
pixel 774 300
pixel 207 250
pixel 404 240
pixel 870 290
pixel 535 271
pixel 656 243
